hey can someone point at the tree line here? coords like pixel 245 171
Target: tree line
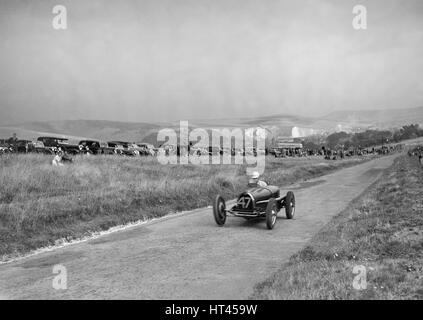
pixel 365 139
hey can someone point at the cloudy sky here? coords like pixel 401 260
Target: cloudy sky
pixel 153 60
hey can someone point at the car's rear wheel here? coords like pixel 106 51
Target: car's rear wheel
pixel 219 210
pixel 290 205
pixel 271 213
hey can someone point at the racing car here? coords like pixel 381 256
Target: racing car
pixel 256 202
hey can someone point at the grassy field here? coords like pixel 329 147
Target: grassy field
pixel 381 231
pixel 40 204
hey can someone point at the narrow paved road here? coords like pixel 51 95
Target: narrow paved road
pixel 188 257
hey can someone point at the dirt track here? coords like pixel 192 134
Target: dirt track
pixel 188 257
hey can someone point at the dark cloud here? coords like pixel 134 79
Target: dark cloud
pixel 182 59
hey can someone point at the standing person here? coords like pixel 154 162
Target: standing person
pixel 420 157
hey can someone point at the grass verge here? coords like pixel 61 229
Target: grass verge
pixel 382 231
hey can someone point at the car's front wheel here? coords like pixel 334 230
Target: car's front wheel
pixel 271 214
pixel 219 210
pixel 290 205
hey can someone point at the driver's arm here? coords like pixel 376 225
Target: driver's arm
pixel 262 183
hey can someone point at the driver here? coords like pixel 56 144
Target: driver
pixel 255 182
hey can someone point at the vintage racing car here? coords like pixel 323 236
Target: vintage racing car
pixel 256 202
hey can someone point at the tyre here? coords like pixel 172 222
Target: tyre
pixel 219 210
pixel 290 205
pixel 271 213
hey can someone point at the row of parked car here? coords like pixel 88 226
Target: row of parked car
pixel 50 145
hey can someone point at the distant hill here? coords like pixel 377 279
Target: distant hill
pixel 137 132
pixel 379 118
pixel 276 125
pixel 82 129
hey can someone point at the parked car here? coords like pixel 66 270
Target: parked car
pixel 95 147
pixel 135 149
pixel 106 149
pixel 147 149
pixel 56 143
pixel 4 147
pixel 22 146
pixel 39 147
pixel 122 148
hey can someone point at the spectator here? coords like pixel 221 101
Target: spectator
pixel 57 160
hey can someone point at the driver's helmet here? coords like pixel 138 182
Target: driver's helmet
pixel 254 178
pixel 255 175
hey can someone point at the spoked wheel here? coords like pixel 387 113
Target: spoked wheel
pixel 219 210
pixel 271 214
pixel 290 205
